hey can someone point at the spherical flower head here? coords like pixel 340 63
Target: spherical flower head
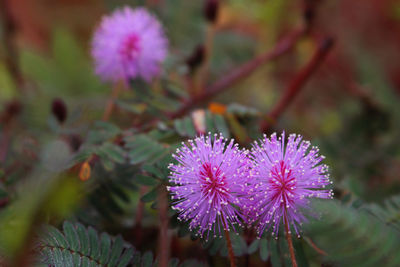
pixel 129 43
pixel 286 176
pixel 209 184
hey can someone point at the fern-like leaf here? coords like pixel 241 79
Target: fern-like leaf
pixel 389 213
pixel 80 246
pixel 353 237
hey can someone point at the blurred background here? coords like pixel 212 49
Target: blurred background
pixel 349 107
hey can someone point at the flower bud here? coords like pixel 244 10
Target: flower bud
pixel 211 9
pixel 196 58
pixel 59 109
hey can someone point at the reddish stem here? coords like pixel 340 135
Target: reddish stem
pixel 297 84
pixel 164 243
pixel 315 247
pixel 290 243
pixel 229 244
pixel 111 101
pixel 282 47
pixel 140 208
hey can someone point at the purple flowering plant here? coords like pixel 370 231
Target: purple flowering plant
pixel 286 175
pixel 148 171
pixel 210 184
pixel 215 185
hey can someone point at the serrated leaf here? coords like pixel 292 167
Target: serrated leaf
pixel 107 164
pixel 254 246
pixel 86 262
pixel 94 243
pixel 143 148
pixel 237 129
pixel 84 154
pixel 174 262
pixel 189 127
pixel 180 127
pixel 113 152
pixel 76 259
pixel 135 108
pixel 264 253
pixel 210 123
pixel 126 257
pixel 105 243
pixel 216 245
pixel 241 110
pixel 153 170
pixel 58 237
pixel 221 125
pixel 147 259
pixel 103 131
pixel 275 256
pixel 183 230
pixel 84 239
pixel 174 89
pixel 151 196
pixel 137 259
pixel 107 252
pixel 67 258
pixel 238 244
pixel 58 257
pixel 301 257
pixel 116 251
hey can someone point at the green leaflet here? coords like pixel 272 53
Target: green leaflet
pixel 80 246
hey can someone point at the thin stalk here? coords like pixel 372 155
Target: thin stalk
pixel 111 101
pixel 297 84
pixel 229 244
pixel 164 243
pixel 140 208
pixel 315 247
pixel 290 243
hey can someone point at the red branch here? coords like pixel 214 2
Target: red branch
pixel 282 47
pixel 164 241
pixel 9 28
pixel 290 242
pixel 297 84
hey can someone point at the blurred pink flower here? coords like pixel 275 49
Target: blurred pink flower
pixel 129 43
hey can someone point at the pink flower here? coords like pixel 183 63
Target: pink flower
pixel 286 176
pixel 129 43
pixel 209 184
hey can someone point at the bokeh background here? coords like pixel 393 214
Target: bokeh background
pixel 349 107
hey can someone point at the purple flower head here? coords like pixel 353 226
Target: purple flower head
pixel 209 183
pixel 129 43
pixel 286 176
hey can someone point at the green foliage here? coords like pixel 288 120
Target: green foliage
pixel 128 156
pixel 389 213
pixel 353 237
pixel 142 148
pixel 77 245
pixel 110 192
pixel 80 246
